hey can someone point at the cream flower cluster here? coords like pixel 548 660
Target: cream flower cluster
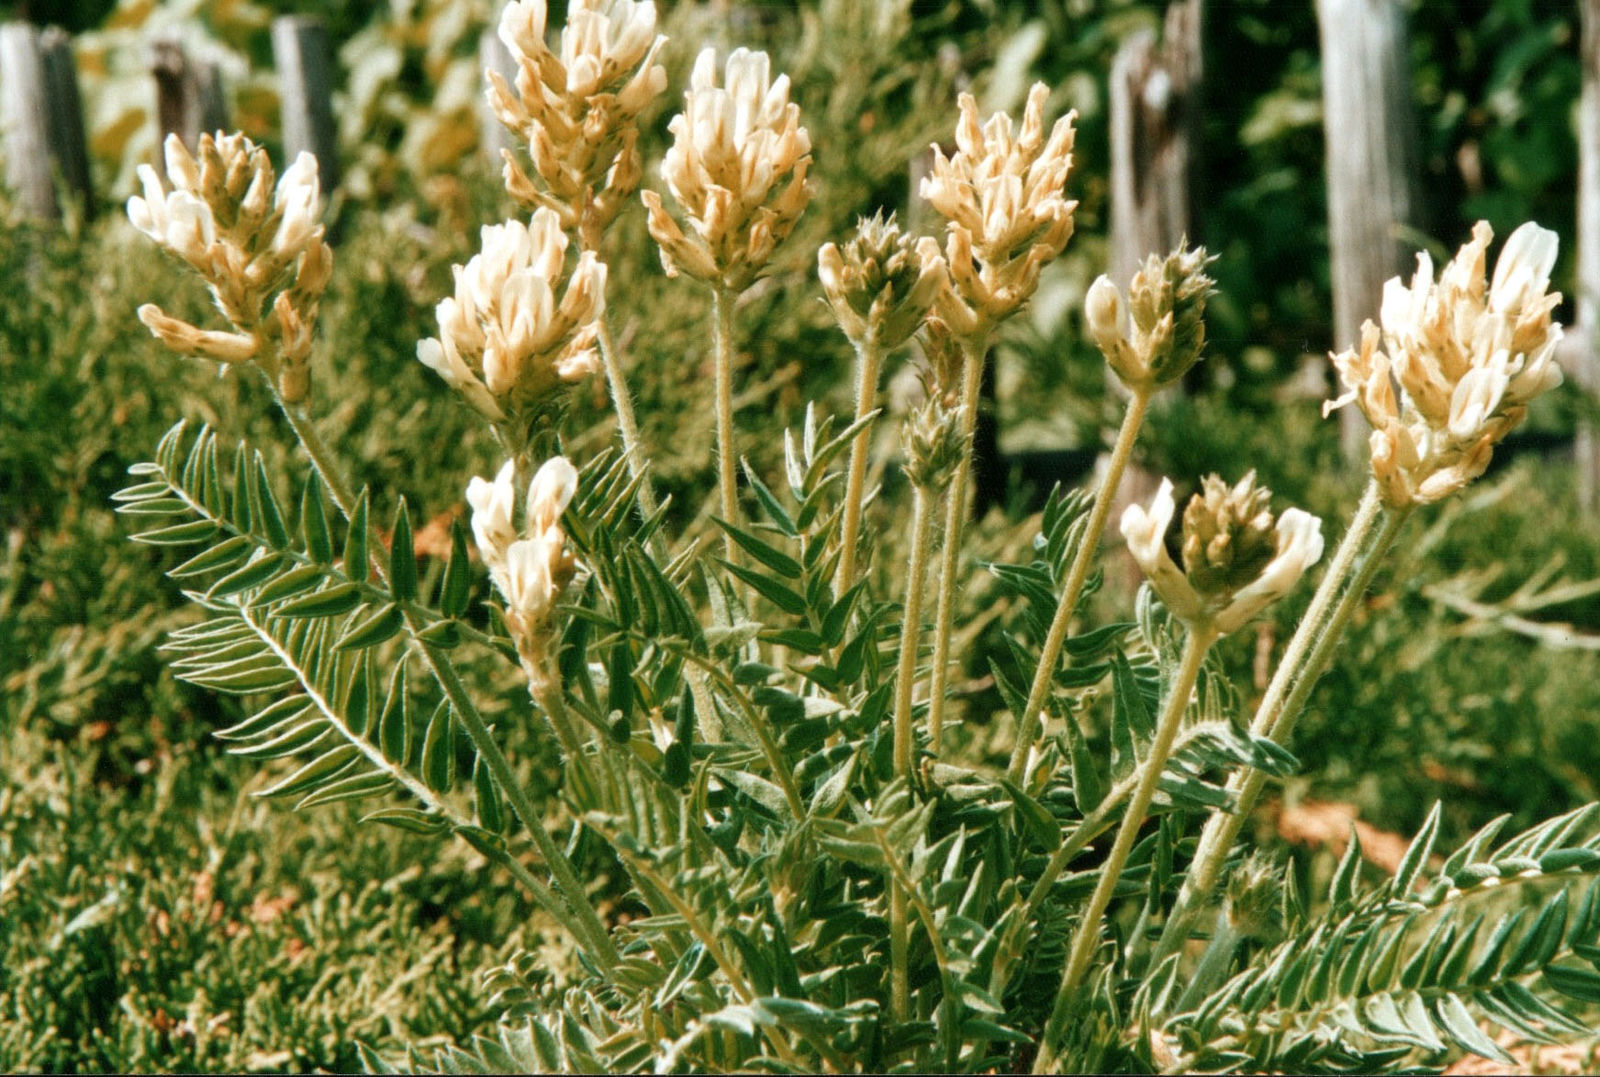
pixel 519 326
pixel 578 111
pixel 883 283
pixel 1237 557
pixel 256 240
pixel 1003 197
pixel 737 168
pixel 530 570
pixel 1469 353
pixel 1159 332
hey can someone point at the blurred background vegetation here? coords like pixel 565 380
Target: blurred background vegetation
pixel 153 917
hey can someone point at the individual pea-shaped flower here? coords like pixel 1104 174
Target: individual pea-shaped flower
pixel 1468 352
pixel 1237 557
pixel 531 571
pixel 883 282
pixel 1003 196
pixel 520 326
pixel 737 168
pixel 255 239
pixel 1158 333
pixel 578 111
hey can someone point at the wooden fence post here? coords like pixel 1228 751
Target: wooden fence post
pixel 69 146
pixel 25 116
pixel 189 94
pixel 1584 363
pixel 305 68
pixel 1371 149
pixel 494 56
pixel 1153 89
pixel 41 120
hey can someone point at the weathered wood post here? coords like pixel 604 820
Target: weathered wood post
pixel 494 56
pixel 1369 131
pixel 189 94
pixel 1153 93
pixel 1584 362
pixel 25 118
pixel 69 146
pixel 304 57
pixel 41 120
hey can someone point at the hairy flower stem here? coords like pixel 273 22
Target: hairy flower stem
pixel 899 953
pixel 1029 725
pixel 596 939
pixel 955 521
pixel 627 424
pixel 904 738
pixel 911 630
pixel 869 360
pixel 544 686
pixel 1302 663
pixel 1087 937
pixel 727 453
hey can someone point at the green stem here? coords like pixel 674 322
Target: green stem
pixel 627 424
pixel 899 953
pixel 869 360
pixel 955 520
pixel 911 631
pixel 1029 725
pixel 727 453
pixel 1087 938
pixel 321 460
pixel 544 685
pixel 904 737
pixel 597 940
pixel 1301 664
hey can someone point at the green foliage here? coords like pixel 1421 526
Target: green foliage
pixel 710 882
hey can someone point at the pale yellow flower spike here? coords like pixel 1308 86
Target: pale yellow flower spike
pixel 1469 354
pixel 1003 196
pixel 256 241
pixel 737 169
pixel 519 326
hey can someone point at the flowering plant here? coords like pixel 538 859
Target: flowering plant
pixel 820 874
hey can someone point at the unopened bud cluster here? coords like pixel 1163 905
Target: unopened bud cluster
pixel 737 168
pixel 1253 900
pixel 1003 197
pixel 578 112
pixel 520 326
pixel 1469 354
pixel 883 282
pixel 255 239
pixel 530 570
pixel 1152 338
pixel 934 443
pixel 1237 557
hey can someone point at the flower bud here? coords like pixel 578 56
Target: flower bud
pixel 934 443
pixel 531 570
pixel 883 283
pixel 1237 557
